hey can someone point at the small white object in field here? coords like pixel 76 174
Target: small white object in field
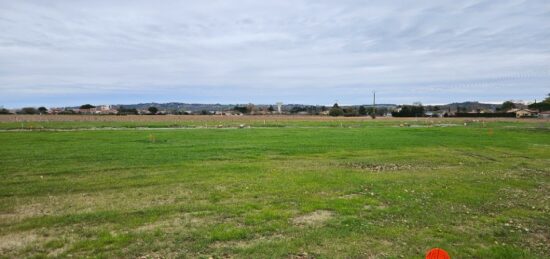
pixel 241 126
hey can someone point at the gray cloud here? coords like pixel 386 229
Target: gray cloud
pixel 264 51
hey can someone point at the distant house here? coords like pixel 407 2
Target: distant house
pixel 101 109
pixel 85 111
pixel 522 113
pixel 484 111
pixel 435 114
pixel 429 114
pixel 56 110
pixel 105 109
pixel 544 115
pixel 223 113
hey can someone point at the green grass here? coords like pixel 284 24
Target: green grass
pixel 328 189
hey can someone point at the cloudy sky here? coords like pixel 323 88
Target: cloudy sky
pixel 58 53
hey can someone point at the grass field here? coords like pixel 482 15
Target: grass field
pixel 282 188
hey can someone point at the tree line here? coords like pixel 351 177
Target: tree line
pixel 415 110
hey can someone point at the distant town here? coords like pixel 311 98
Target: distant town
pixel 518 109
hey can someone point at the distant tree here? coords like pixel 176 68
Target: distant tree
pixel 362 110
pixel 313 110
pixel 4 111
pixel 181 113
pixel 42 110
pixel 507 106
pixel 409 111
pixel 350 112
pixel 205 112
pixel 68 111
pixel 250 108
pixel 270 109
pixel 29 110
pixel 87 106
pixel 436 108
pixel 541 106
pixel 297 109
pixel 335 110
pixel 153 110
pixel 240 109
pixel 372 112
pixel 127 111
pixel 382 111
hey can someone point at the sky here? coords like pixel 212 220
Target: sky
pixel 63 53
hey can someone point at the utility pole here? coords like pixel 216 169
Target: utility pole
pixel 373 115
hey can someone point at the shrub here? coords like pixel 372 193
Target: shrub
pixel 336 110
pixel 28 110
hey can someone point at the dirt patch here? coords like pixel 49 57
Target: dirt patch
pixel 350 196
pixel 302 255
pixel 173 224
pixel 14 241
pixel 314 218
pixel 376 167
pixel 243 244
pixel 57 252
pixel 77 203
pixel 15 244
pixel 26 211
pixel 378 207
pixel 156 255
pixel 540 241
pixel 477 156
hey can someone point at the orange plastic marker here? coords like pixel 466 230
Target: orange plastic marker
pixel 437 253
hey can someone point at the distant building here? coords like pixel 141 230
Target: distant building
pixel 435 114
pixel 100 109
pixel 279 107
pixel 544 115
pixel 103 108
pixel 522 113
pixel 56 110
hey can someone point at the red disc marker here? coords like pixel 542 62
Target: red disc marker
pixel 437 253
